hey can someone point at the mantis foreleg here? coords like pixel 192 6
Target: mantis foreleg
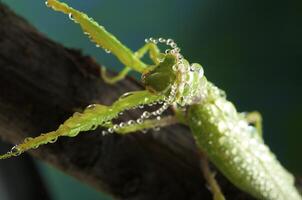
pixel 92 117
pixel 100 36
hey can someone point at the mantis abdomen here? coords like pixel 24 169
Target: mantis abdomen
pixel 237 149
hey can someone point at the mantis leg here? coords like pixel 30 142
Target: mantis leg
pixel 210 178
pixel 255 118
pixel 154 54
pixel 112 80
pixel 100 36
pixel 92 117
pixel 153 49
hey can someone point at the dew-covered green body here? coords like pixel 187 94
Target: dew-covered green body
pixel 237 149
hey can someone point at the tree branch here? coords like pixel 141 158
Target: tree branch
pixel 42 83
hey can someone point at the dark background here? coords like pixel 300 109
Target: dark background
pixel 251 49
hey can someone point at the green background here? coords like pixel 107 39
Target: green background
pixel 251 49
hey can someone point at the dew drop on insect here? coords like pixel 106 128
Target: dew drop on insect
pixel 91 106
pixel 175 68
pixel 53 140
pixel 15 151
pixel 222 127
pixel 70 16
pixel 141 106
pixel 130 122
pixel 126 95
pixel 158 118
pixel 107 51
pixel 146 114
pixel 122 124
pixel 115 127
pixel 104 133
pixel 97 45
pixel 139 121
pixel 161 40
pixel 46 3
pixel 110 130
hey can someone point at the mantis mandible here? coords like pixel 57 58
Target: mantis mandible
pixel 224 135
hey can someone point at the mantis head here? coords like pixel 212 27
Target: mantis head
pixel 173 75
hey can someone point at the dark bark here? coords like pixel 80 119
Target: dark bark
pixel 42 83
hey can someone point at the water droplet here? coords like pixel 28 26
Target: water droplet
pixel 141 106
pixel 53 140
pixel 97 45
pixel 70 16
pixel 169 42
pixel 139 121
pixel 122 124
pixel 104 133
pixel 91 106
pixel 46 3
pixel 15 150
pixel 126 95
pixel 222 127
pixel 175 68
pixel 146 114
pixel 162 40
pixel 110 130
pixel 107 51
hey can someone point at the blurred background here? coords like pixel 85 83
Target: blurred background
pixel 251 49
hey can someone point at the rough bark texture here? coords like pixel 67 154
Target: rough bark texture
pixel 42 83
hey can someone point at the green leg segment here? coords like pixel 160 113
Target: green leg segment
pixel 100 36
pixel 92 117
pixel 210 178
pixel 154 54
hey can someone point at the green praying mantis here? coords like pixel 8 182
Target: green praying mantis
pixel 225 136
